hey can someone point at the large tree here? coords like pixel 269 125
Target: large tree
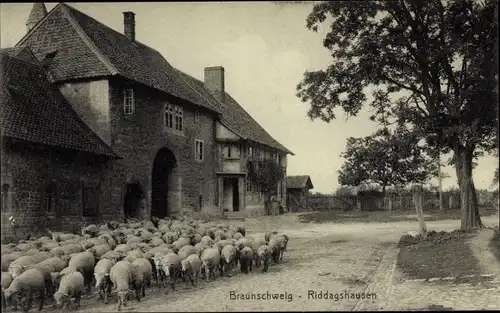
pixel 389 158
pixel 432 65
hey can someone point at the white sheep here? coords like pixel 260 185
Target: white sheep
pixel 170 266
pixel 102 280
pixel 6 281
pixel 191 266
pixel 71 286
pixel 23 286
pixel 121 277
pixel 228 257
pixel 263 257
pixel 18 266
pixel 246 258
pixel 210 261
pixel 84 263
pixel 142 272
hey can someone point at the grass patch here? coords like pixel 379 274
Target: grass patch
pixel 495 244
pixel 438 256
pixel 340 217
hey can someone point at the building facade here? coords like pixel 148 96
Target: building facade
pixel 182 144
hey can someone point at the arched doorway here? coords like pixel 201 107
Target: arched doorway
pixel 163 166
pixel 132 200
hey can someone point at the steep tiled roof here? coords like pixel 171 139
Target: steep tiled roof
pixel 299 182
pixel 34 110
pixel 235 117
pixel 93 49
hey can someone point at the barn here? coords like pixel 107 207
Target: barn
pixel 298 192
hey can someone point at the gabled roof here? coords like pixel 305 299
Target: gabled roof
pixel 23 53
pixel 34 110
pixel 299 182
pixel 92 49
pixel 235 117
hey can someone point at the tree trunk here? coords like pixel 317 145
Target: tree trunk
pixel 469 206
pixel 417 196
pixel 441 207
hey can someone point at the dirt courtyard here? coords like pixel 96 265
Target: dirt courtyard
pixel 337 258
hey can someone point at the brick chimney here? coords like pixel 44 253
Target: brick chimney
pixel 129 25
pixel 214 82
pixel 38 11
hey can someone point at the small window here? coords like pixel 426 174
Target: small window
pixel 226 151
pixel 49 203
pixel 5 198
pixel 249 186
pixel 173 117
pixel 128 102
pixel 250 151
pixel 197 116
pixel 198 146
pixel 178 118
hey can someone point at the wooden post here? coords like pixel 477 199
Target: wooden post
pixel 417 198
pixel 440 183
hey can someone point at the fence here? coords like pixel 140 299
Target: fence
pixel 392 202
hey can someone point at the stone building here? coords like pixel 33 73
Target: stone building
pixel 298 192
pixel 181 144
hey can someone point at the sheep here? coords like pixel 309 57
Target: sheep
pixel 243 242
pixel 66 249
pixel 278 246
pixel 99 250
pixel 181 242
pixel 91 230
pixel 121 278
pixel 141 276
pixel 89 243
pixel 241 229
pixel 228 257
pixel 41 256
pixel 191 266
pixel 31 252
pixel 186 251
pixel 71 286
pixel 6 281
pixel 113 255
pixel 46 269
pixel 109 240
pixel 210 260
pixel 170 237
pixel 171 267
pixel 246 257
pixel 58 263
pixel 156 241
pixel 132 255
pixel 237 236
pixel 200 247
pixel 22 288
pixel 9 258
pixel 102 281
pixel 196 238
pixel 133 239
pixel 207 240
pixel 263 256
pixel 18 266
pixel 84 262
pixel 124 248
pixel 5 249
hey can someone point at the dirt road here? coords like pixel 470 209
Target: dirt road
pixel 337 258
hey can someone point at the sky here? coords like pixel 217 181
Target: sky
pixel 264 48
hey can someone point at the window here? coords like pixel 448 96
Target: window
pixel 5 198
pixel 90 201
pixel 197 116
pixel 226 151
pixel 173 117
pixel 198 148
pixel 249 186
pixel 128 102
pixel 49 203
pixel 250 151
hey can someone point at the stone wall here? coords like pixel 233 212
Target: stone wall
pixel 29 169
pixel 139 137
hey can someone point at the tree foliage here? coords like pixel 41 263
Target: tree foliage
pixel 266 174
pixel 387 158
pixel 430 64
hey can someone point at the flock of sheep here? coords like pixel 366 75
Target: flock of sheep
pixel 127 257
